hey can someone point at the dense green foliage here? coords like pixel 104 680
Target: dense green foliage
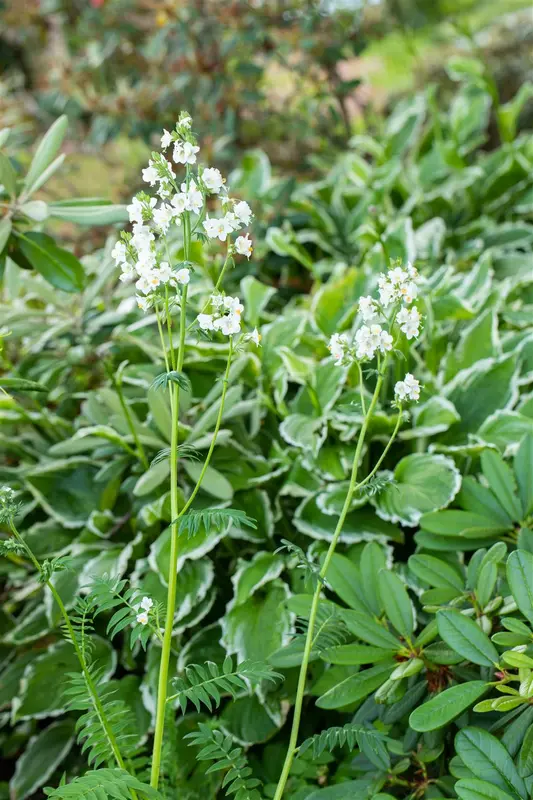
pixel 420 681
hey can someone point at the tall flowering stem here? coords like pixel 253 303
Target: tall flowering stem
pixel 144 255
pixel 397 289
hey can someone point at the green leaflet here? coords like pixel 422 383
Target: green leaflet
pixel 446 706
pixel 466 638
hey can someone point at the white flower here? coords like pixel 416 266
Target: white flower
pixel 146 603
pixel 142 618
pixel 119 253
pixel 228 324
pixel 408 389
pixel 367 308
pixel 409 321
pixel 135 210
pixel 397 275
pixel 217 228
pixel 150 174
pixel 338 344
pixel 163 216
pixel 233 305
pixel 367 340
pixel 185 122
pixel 183 276
pixel 231 221
pixel 385 341
pixel 408 291
pixel 243 212
pixel 216 300
pixel 254 337
pixel 166 139
pixel 127 273
pixel 213 180
pixel 243 246
pixel 387 292
pixel 194 199
pixel 165 272
pixel 205 321
pixel 179 201
pixel 185 153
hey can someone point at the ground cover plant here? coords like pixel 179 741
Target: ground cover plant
pixel 182 496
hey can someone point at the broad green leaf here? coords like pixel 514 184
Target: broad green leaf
pixel 356 687
pixel 466 638
pixel 501 481
pixel 21 385
pixel 356 654
pixel 249 576
pixel 446 706
pixel 480 790
pixel 525 757
pixel 436 572
pixel 373 559
pixel 344 577
pixel 258 627
pixel 423 482
pixel 485 756
pixel 57 266
pixel 46 152
pixel 397 603
pixel 256 297
pixel 213 483
pixel 302 431
pixel 523 467
pixel 367 629
pixel 44 753
pixel 519 578
pixel 89 212
pixel 462 523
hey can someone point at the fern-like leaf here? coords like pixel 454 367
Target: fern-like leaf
pixel 81 627
pixel 376 485
pixel 205 684
pixel 225 755
pixel 184 451
pixel 215 518
pixel 311 569
pixel 93 733
pixel 370 742
pixel 103 783
pixel 112 594
pixel 329 630
pixel 162 381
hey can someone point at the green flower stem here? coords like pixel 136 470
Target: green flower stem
pixel 83 664
pixel 174 391
pixel 353 486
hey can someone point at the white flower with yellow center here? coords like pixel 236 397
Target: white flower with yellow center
pixel 243 246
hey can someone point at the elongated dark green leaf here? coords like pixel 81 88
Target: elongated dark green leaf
pixel 480 790
pixel 21 385
pixel 398 606
pixel 525 757
pixel 486 757
pixel 356 687
pixel 523 467
pixel 8 177
pixel 466 638
pixel 501 481
pixel 519 572
pixel 57 266
pixel 436 572
pixel 446 706
pixel 370 631
pixel 5 231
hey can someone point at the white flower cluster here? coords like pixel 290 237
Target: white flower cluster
pixel 137 253
pixel 143 610
pixel 225 316
pixel 397 290
pixel 408 389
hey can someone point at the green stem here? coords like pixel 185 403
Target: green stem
pixel 162 688
pixel 353 486
pixel 83 664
